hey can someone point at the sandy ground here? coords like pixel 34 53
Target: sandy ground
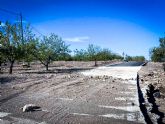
pixel 153 75
pixel 69 94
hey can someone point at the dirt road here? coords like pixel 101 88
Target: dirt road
pixel 102 95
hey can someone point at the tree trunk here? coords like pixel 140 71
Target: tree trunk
pixel 11 67
pixel 0 66
pixel 164 67
pixel 47 63
pixel 95 62
pixel 47 67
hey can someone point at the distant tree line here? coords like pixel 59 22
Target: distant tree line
pixel 135 58
pixel 14 47
pixel 95 53
pixel 158 53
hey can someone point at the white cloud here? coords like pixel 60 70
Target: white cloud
pixel 20 21
pixel 77 39
pixel 2 24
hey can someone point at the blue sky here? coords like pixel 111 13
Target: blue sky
pixel 130 26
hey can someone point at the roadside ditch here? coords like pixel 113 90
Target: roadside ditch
pixel 147 103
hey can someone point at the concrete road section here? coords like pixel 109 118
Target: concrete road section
pixel 131 63
pixel 126 70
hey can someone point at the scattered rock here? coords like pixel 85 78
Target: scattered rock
pixel 156 94
pixel 105 77
pixel 146 79
pixel 30 107
pixel 126 79
pixel 132 104
pixel 69 76
pixel 151 74
pixel 49 76
pixel 96 77
pixel 13 87
pixel 143 103
pixel 154 83
pixel 120 79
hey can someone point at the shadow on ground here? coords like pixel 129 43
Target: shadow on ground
pixel 4 80
pixel 55 71
pixel 142 105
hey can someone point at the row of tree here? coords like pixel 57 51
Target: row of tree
pixel 95 53
pixel 135 58
pixel 158 53
pixel 16 45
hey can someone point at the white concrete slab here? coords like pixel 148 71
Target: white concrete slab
pixel 128 72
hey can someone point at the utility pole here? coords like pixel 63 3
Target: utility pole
pixel 14 13
pixel 23 38
pixel 21 24
pixel 123 55
pixel 21 28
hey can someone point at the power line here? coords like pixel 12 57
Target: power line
pixel 8 11
pixel 37 31
pixel 14 13
pixel 21 17
pixel 33 27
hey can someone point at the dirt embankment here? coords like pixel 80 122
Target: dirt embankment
pixel 152 82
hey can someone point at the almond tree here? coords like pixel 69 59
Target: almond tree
pixel 13 47
pixel 49 49
pixel 11 43
pixel 93 51
pixel 158 53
